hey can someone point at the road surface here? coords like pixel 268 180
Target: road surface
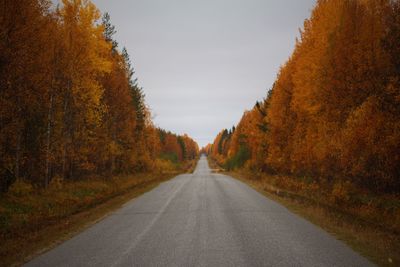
pixel 202 219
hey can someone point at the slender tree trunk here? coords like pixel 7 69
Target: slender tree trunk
pixel 71 168
pixel 49 125
pixel 18 156
pixel 72 149
pixel 113 155
pixel 64 137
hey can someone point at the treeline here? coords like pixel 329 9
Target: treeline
pixel 333 114
pixel 70 105
pixel 176 148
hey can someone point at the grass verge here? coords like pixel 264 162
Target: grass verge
pixel 33 221
pixel 370 239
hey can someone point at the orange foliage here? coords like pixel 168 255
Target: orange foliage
pixel 177 148
pixel 69 104
pixel 333 112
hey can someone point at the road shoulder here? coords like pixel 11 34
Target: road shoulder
pixel 21 247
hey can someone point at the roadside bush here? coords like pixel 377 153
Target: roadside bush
pixel 164 166
pixel 341 192
pixel 170 156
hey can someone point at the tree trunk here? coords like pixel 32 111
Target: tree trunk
pixel 64 137
pixel 17 156
pixel 49 125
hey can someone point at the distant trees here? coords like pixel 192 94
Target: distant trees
pixel 333 112
pixel 70 105
pixel 177 148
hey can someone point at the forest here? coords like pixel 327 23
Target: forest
pixel 327 133
pixel 78 140
pixel 333 112
pixel 71 107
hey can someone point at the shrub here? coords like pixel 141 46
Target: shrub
pixel 171 156
pixel 341 192
pixel 164 166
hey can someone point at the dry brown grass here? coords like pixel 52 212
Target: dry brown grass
pixel 368 231
pixel 33 220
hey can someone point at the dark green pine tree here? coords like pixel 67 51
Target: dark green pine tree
pixel 183 147
pixel 109 31
pixel 136 93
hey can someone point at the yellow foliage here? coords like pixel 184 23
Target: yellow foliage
pixel 164 166
pixel 333 111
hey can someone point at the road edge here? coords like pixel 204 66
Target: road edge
pixel 55 234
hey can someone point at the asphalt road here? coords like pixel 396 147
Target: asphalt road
pixel 202 219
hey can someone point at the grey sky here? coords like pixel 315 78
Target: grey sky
pixel 202 63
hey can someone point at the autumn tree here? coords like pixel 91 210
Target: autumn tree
pixel 85 59
pixel 26 57
pixel 333 112
pixel 70 105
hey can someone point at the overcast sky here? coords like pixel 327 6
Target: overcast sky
pixel 202 63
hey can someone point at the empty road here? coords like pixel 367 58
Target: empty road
pixel 202 219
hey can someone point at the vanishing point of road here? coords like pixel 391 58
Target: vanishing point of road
pixel 202 219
